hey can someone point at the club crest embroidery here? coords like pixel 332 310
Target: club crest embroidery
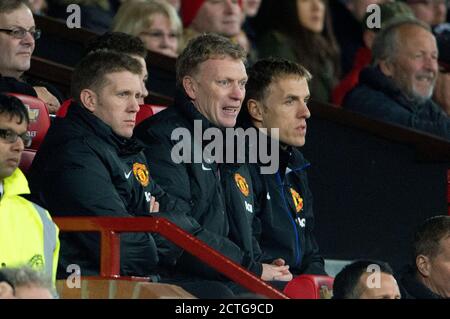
pixel 298 200
pixel 241 184
pixel 140 171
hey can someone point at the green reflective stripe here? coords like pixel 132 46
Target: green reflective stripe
pixel 49 239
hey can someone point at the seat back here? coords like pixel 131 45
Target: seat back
pixel 310 287
pixel 39 118
pixel 158 108
pixel 97 288
pixel 145 111
pixel 26 159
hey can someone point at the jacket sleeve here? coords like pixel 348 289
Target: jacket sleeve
pixel 385 109
pixel 174 179
pixel 313 262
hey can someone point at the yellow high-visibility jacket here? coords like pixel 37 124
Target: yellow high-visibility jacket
pixel 28 235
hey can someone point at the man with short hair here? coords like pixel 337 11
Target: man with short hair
pixel 18 34
pixel 89 165
pixel 276 99
pixel 24 283
pixel 366 279
pixel 121 43
pixel 211 87
pixel 429 277
pixel 27 234
pixel 210 16
pixel 399 87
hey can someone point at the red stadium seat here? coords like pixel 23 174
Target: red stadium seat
pixel 39 118
pixel 310 287
pixel 145 111
pixel 158 108
pixel 62 111
pixel 26 160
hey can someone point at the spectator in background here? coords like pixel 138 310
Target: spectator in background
pixel 432 12
pixel 441 93
pixel 27 234
pixel 399 87
pixel 347 18
pixel 388 11
pixel 17 40
pixel 222 17
pixel 300 31
pixel 155 22
pixel 429 275
pixel 247 36
pixel 24 283
pixel 366 279
pixel 276 98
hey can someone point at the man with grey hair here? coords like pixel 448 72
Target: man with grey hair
pixel 24 283
pixel 399 86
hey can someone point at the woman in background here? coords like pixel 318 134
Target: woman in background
pixel 300 30
pixel 155 22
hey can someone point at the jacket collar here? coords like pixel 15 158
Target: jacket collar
pixel 187 108
pixel 375 79
pixel 95 126
pixel 16 184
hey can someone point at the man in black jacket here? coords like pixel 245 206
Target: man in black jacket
pixel 429 275
pixel 277 97
pixel 211 80
pixel 399 87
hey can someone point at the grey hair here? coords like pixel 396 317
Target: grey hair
pixel 27 276
pixel 386 42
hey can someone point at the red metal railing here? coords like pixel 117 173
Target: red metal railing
pixel 111 227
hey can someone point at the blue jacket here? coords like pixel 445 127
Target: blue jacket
pixel 377 96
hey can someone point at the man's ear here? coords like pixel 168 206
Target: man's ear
pixel 190 87
pixel 423 265
pixel 255 111
pixel 89 99
pixel 387 68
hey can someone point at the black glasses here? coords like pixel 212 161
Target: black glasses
pixel 11 137
pixel 20 33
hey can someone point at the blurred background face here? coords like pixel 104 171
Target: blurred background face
pixel 160 36
pixel 250 7
pixel 219 16
pixel 15 54
pixel 311 14
pixel 432 12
